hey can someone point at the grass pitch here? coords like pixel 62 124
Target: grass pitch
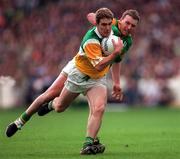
pixel 130 134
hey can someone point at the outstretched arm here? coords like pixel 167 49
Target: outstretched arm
pixel 115 72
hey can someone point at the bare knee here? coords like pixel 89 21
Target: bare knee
pixel 58 107
pixel 60 110
pixel 99 110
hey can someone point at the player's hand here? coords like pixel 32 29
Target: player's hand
pixel 117 46
pixel 117 93
pixel 105 53
pixel 91 17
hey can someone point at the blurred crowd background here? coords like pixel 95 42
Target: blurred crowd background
pixel 38 37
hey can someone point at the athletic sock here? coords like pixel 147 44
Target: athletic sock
pixel 88 141
pixel 19 123
pixel 96 140
pixel 25 117
pixel 50 107
pixel 22 120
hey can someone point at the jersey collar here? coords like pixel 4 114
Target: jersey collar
pixel 99 35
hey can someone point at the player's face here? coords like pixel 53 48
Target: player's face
pixel 127 25
pixel 104 27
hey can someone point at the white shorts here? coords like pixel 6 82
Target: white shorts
pixel 78 82
pixel 68 67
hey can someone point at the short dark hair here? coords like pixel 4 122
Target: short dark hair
pixel 133 13
pixel 103 13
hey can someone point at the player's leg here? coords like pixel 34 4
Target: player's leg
pixel 97 99
pixel 43 99
pixel 50 94
pixel 53 91
pixel 46 108
pixel 100 148
pixel 59 104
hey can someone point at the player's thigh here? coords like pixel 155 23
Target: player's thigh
pixel 57 86
pixel 65 98
pixel 97 96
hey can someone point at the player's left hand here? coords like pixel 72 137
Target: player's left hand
pixel 117 93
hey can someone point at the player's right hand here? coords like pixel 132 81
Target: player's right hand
pixel 117 46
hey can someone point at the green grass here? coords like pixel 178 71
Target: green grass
pixel 132 134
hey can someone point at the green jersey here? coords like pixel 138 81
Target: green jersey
pixel 127 41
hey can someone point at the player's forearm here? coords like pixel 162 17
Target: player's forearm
pixel 115 72
pixel 110 58
pixel 105 62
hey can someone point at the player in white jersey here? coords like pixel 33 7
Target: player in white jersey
pixel 53 92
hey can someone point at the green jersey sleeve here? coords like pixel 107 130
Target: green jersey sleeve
pixel 127 41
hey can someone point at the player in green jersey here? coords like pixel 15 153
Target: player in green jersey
pixel 125 28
